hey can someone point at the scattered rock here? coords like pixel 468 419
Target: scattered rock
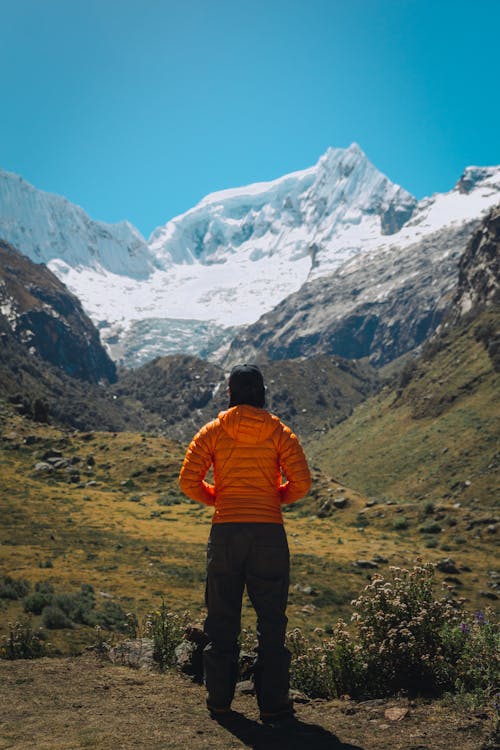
pixel 245 687
pixel 58 463
pixel 308 609
pixel 395 714
pixel 380 559
pixel 43 466
pixel 366 564
pixel 325 509
pixel 371 502
pixel 305 590
pixel 488 595
pixel 51 453
pixel 134 653
pixel 340 502
pixel 299 697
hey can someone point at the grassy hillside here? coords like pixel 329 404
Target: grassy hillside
pixel 435 438
pixel 109 514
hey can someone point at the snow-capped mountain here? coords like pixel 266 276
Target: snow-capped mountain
pixel 240 252
pixel 48 227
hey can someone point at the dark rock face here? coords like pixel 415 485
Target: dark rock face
pixel 396 215
pixel 48 320
pixel 479 285
pixel 479 268
pixel 380 308
pixel 309 395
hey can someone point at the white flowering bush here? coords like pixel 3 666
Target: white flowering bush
pixel 400 627
pixel 403 639
pixel 326 667
pixel 167 630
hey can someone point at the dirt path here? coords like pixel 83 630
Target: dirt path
pixel 77 703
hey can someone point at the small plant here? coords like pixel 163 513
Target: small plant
pixel 399 624
pixel 10 588
pixel 405 639
pixel 171 499
pixel 113 617
pixel 23 642
pixel 431 543
pixel 166 628
pixel 55 618
pixel 473 647
pixel 41 597
pixel 400 524
pixel 46 564
pixel 430 528
pixel 326 668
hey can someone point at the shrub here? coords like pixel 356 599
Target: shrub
pixel 166 629
pixel 326 668
pixel 473 648
pixel 430 528
pixel 11 588
pixel 400 524
pixel 22 642
pixel 404 639
pixel 113 617
pixel 55 618
pixel 42 597
pixel 171 499
pixel 431 543
pixel 399 623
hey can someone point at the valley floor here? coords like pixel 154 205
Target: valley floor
pixel 83 702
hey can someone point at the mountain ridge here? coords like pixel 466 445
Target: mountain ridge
pixel 240 252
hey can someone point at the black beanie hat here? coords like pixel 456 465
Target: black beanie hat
pixel 246 386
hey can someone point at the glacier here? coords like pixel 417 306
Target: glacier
pixel 235 255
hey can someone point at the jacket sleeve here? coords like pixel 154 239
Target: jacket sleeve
pixel 294 465
pixel 198 459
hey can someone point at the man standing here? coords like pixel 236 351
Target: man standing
pixel 250 450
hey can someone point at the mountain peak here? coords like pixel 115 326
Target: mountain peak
pixel 472 177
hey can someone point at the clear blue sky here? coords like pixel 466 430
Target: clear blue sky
pixel 136 109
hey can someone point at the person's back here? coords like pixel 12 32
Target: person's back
pixel 250 450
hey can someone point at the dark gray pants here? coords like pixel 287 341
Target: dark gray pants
pixel 255 555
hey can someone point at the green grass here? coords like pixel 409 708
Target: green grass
pixel 438 439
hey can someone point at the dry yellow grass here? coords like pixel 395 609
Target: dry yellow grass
pixel 133 538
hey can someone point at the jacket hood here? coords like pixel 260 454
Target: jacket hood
pixel 248 424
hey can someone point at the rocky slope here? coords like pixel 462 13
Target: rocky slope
pixel 380 307
pixel 48 226
pixel 239 253
pixel 44 316
pixel 309 395
pixel 53 366
pixel 435 434
pixel 479 269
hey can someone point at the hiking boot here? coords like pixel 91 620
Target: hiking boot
pixel 217 712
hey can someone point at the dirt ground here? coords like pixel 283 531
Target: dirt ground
pixel 84 702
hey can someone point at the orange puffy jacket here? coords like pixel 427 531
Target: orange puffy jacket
pixel 249 449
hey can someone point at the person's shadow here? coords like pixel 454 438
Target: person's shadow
pixel 296 736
